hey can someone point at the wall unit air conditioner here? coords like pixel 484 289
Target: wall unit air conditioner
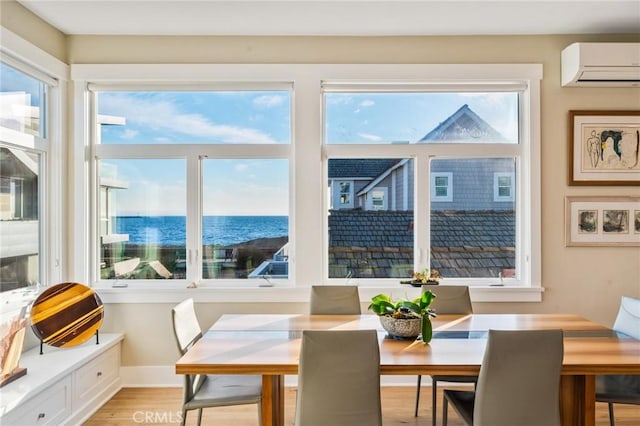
pixel 601 65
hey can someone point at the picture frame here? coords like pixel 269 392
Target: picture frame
pixel 612 161
pixel 602 221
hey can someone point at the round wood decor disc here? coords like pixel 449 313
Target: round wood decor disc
pixel 66 314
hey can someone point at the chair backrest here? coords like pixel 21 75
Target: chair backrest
pixel 450 299
pixel 339 379
pixel 519 380
pixel 187 331
pixel 334 300
pixel 186 328
pixel 628 319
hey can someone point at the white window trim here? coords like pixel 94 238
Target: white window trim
pixel 28 58
pixel 308 209
pixel 496 188
pixel 441 198
pixel 338 184
pixel 385 198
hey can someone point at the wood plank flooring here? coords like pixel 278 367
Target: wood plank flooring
pixel 161 406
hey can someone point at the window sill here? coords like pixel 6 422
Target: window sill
pixel 281 294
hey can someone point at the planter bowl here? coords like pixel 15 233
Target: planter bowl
pixel 401 328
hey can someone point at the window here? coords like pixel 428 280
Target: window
pixel 503 186
pixel 193 185
pixel 441 186
pixel 466 143
pixel 356 181
pixel 23 147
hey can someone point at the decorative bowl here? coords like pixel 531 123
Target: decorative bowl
pixel 400 327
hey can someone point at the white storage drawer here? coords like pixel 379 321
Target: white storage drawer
pixel 50 407
pixel 95 375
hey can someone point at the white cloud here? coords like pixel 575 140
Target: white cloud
pixel 367 103
pixel 370 137
pixel 241 167
pixel 129 134
pixel 159 114
pixel 268 101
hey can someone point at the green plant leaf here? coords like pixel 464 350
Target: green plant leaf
pixel 427 329
pixel 426 299
pixel 409 305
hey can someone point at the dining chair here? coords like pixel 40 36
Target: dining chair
pixel 622 388
pixel 450 299
pixel 518 384
pixel 339 379
pixel 334 300
pixel 203 391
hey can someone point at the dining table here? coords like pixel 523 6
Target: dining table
pixel 269 345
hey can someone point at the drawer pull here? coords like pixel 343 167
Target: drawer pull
pixel 40 416
pixel 99 373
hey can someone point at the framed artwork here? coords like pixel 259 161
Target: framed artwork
pixel 604 148
pixel 602 221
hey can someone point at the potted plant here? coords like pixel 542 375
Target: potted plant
pixel 405 318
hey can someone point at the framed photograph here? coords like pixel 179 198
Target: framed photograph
pixel 604 148
pixel 602 221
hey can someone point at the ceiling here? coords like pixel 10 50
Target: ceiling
pixel 339 17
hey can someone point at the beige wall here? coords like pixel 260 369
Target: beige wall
pixel 20 21
pixel 581 280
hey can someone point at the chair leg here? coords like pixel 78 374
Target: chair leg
pixel 184 418
pixel 434 401
pixel 445 408
pixel 415 414
pixel 199 416
pixel 612 420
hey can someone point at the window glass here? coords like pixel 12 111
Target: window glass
pixel 19 218
pixel 473 236
pixel 441 186
pixel 22 102
pixel 245 220
pixel 374 238
pixel 222 117
pixel 391 118
pixel 142 219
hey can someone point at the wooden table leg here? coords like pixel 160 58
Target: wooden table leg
pixel 272 408
pixel 578 400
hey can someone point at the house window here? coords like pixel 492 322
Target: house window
pixel 345 195
pixel 419 120
pixel 194 185
pixel 503 187
pixel 441 186
pixel 23 149
pixel 449 133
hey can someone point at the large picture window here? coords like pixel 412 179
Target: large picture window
pixel 193 185
pixel 290 175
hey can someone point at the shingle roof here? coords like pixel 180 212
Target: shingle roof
pixel 359 168
pixel 380 243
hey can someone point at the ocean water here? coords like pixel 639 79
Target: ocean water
pixel 222 230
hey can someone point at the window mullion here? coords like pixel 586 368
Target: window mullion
pixel 422 227
pixel 194 218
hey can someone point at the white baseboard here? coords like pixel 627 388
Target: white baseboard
pixel 165 376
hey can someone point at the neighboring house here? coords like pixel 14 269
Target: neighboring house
pixel 472 204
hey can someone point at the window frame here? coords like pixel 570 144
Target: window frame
pixel 36 63
pixel 434 194
pixel 496 186
pixel 308 161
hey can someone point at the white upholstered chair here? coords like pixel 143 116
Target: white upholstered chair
pixel 203 391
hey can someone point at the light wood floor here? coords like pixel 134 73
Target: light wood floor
pixel 161 406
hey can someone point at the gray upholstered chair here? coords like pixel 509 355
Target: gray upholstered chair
pixel 518 384
pixel 622 389
pixel 202 391
pixel 334 300
pixel 450 299
pixel 339 379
